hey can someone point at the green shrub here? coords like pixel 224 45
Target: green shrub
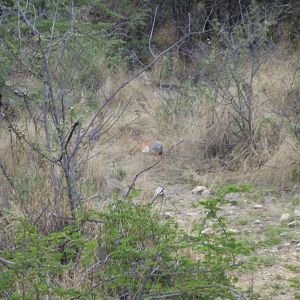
pixel 125 251
pixel 234 188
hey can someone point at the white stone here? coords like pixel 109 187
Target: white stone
pixel 198 190
pixel 257 206
pixel 232 230
pixel 285 217
pixel 168 215
pixel 257 221
pixel 192 213
pixel 283 234
pixel 294 224
pixel 207 231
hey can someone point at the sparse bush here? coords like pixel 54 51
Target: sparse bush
pixel 64 232
pixel 223 112
pixel 124 251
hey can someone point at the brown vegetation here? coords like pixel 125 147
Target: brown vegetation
pixel 226 96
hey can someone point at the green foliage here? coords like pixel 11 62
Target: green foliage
pixel 262 260
pixel 273 236
pixel 132 251
pixel 234 188
pixel 134 193
pixel 293 268
pixel 295 200
pixel 94 45
pixel 295 282
pixel 36 261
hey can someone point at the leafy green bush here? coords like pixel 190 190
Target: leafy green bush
pixel 126 251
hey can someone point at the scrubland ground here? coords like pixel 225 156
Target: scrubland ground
pixel 229 119
pixel 273 269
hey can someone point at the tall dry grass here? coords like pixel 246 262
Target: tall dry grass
pixel 209 152
pixel 210 146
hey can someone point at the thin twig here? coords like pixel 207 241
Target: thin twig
pixel 6 262
pixel 151 33
pixel 94 266
pixel 31 145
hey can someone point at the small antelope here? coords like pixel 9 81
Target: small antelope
pixel 143 144
pixel 146 146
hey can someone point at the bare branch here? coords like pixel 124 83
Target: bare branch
pixel 6 262
pixel 151 33
pixel 148 169
pixel 31 145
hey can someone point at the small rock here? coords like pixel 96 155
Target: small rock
pixel 192 213
pixel 294 224
pixel 257 206
pixel 257 221
pixel 232 230
pixel 207 231
pixel 297 213
pixel 198 190
pixel 285 217
pixel 168 215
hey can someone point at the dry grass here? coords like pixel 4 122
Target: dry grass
pixel 271 90
pixel 197 159
pixel 282 168
pixel 203 158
